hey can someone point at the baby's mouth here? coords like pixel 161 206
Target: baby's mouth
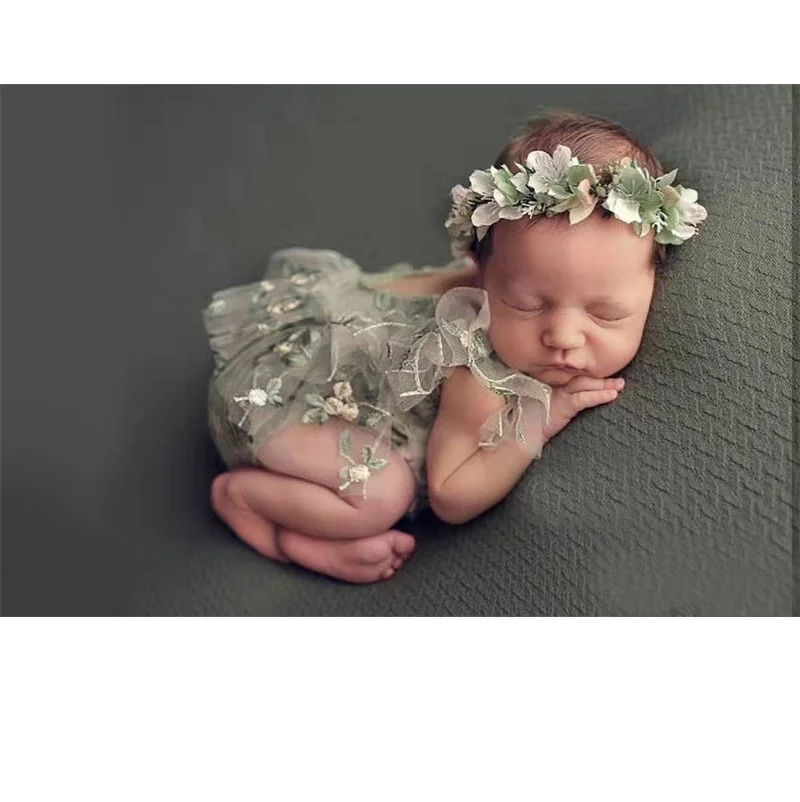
pixel 565 366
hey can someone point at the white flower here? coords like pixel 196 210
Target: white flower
pixel 343 390
pixel 284 306
pixel 458 220
pixel 482 182
pixel 216 307
pixel 459 196
pixel 349 412
pixel 690 212
pixel 300 279
pixel 510 212
pixel 358 473
pixel 680 216
pixel 284 348
pixel 664 181
pixel 257 396
pixel 585 203
pixel 333 406
pixel 547 169
pixel 622 208
pixel 487 214
pixel 264 287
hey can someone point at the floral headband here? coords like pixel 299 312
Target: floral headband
pixel 560 183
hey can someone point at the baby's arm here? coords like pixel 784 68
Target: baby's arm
pixel 464 479
pixel 431 283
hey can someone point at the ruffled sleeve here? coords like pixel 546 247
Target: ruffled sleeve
pixel 458 336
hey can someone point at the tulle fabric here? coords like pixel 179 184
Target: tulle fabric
pixel 316 340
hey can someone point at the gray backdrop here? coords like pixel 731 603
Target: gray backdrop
pixel 124 208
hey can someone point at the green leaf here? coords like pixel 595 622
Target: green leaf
pixel 577 173
pixel 505 185
pixel 667 179
pixel 666 237
pixel 345 442
pixel 315 400
pixel 373 420
pixel 367 454
pixel 673 218
pixel 563 206
pixel 651 203
pixel 377 464
pixel 633 181
pixel 559 193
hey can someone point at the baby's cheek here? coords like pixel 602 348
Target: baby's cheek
pixel 511 342
pixel 616 349
pixel 498 336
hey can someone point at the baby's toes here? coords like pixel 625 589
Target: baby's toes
pixel 402 548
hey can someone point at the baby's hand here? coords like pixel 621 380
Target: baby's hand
pixel 578 394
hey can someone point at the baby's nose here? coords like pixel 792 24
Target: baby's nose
pixel 564 332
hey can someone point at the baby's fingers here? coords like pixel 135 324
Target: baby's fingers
pixel 580 383
pixel 591 398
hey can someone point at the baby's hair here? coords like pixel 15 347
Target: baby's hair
pixel 592 139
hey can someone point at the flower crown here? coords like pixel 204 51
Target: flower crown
pixel 560 183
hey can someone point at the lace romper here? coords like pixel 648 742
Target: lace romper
pixel 315 340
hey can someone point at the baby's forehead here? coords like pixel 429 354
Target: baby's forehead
pixel 591 283
pixel 553 245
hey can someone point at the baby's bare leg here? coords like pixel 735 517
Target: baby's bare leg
pixel 238 498
pixel 319 524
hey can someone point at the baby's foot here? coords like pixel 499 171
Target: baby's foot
pixel 259 533
pixel 368 559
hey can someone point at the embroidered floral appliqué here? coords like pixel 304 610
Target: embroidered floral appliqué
pixel 284 306
pixel 339 405
pixel 297 349
pixel 354 472
pixel 264 289
pixel 259 397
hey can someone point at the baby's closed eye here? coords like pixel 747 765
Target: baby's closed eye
pixel 524 306
pixel 608 312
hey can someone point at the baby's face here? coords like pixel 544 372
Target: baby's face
pixel 568 300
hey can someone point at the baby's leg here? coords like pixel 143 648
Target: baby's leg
pixel 297 491
pixel 238 498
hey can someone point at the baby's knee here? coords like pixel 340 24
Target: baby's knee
pixel 221 499
pixel 219 490
pixel 389 493
pixel 226 489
